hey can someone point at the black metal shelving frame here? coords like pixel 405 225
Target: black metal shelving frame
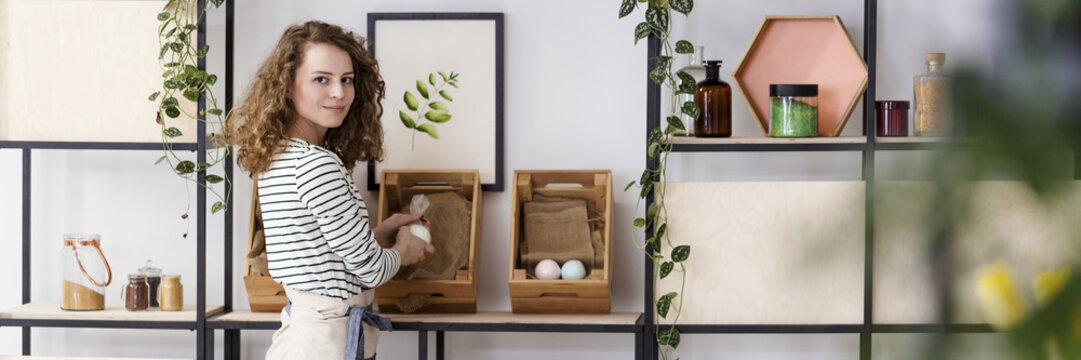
pixel 868 148
pixel 204 336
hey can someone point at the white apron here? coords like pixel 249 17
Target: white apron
pixel 315 327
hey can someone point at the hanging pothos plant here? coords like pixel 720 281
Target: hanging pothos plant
pixel 181 79
pixel 657 24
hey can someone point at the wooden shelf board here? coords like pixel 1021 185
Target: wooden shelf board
pixel 615 318
pixel 747 140
pixel 52 311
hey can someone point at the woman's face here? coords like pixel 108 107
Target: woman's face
pixel 323 89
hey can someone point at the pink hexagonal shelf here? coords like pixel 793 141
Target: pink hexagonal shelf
pixel 803 50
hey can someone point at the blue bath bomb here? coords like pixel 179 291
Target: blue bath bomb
pixel 573 270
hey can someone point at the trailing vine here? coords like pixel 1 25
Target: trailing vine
pixel 179 26
pixel 657 24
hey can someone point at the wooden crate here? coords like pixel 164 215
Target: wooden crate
pixel 590 295
pixel 448 296
pixel 264 294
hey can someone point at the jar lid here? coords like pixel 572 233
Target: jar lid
pixel 171 277
pixel 713 63
pixel 891 104
pixel 82 239
pixel 150 270
pixel 793 89
pixel 935 57
pixel 136 277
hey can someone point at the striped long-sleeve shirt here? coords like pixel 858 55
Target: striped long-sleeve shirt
pixel 318 237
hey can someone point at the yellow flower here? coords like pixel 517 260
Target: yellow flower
pixel 1048 283
pixel 999 298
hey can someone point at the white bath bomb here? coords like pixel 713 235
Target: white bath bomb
pixel 573 270
pixel 421 232
pixel 547 269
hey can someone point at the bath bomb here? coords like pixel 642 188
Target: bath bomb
pixel 421 232
pixel 573 270
pixel 547 269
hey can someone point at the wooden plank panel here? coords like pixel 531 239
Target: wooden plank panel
pixel 52 311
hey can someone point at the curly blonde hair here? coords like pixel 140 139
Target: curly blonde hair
pixel 267 113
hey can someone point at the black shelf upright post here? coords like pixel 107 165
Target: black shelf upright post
pixel 26 243
pixel 870 34
pixel 653 116
pixel 232 337
pixel 204 343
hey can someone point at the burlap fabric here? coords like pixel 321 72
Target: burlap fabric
pixel 560 229
pixel 449 215
pixel 256 256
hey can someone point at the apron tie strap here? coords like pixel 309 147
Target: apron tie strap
pixel 354 344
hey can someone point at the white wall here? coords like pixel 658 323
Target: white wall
pixel 575 99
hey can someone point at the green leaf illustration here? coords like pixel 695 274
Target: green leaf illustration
pixel 422 89
pixel 437 116
pixel 441 74
pixel 453 83
pixel 437 105
pixel 430 130
pixel 408 121
pixel 410 101
pixel 431 79
pixel 445 95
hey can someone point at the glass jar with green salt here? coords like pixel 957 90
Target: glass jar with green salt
pixel 793 110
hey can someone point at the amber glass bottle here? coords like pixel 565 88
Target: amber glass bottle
pixel 714 100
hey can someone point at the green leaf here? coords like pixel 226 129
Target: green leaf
pixel 214 111
pixel 410 101
pixel 430 130
pixel 684 47
pixel 441 74
pixel 154 96
pixel 172 84
pixel 658 75
pixel 666 268
pixel 422 89
pixel 437 105
pixel 176 47
pixel 660 232
pixel 654 150
pixel 453 83
pixel 690 109
pixel 663 303
pixel 203 50
pixel 645 191
pixel 652 242
pixel 218 206
pixel 445 95
pixel 437 116
pixel 669 130
pixel 681 253
pixel 657 18
pixel 683 6
pixel 185 167
pixel 629 186
pixel 164 49
pixel 213 179
pixel 627 7
pixel 674 121
pixel 164 15
pixel 658 3
pixel 668 336
pixel 639 222
pixel 217 3
pixel 183 36
pixel 641 31
pixel 406 120
pixel 646 178
pixel 651 212
pixel 170 33
pixel 431 79
pixel 211 79
pixel 654 136
pixel 172 132
pixel 172 112
pixel 162 158
pixel 172 64
pixel 191 27
pixel 191 94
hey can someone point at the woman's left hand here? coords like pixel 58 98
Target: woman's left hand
pixel 387 231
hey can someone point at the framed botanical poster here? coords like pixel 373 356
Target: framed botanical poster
pixel 444 92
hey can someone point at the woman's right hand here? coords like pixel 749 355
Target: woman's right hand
pixel 411 248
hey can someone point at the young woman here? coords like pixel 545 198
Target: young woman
pixel 312 112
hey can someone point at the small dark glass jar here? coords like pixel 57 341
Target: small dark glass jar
pixel 891 118
pixel 714 100
pixel 136 294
